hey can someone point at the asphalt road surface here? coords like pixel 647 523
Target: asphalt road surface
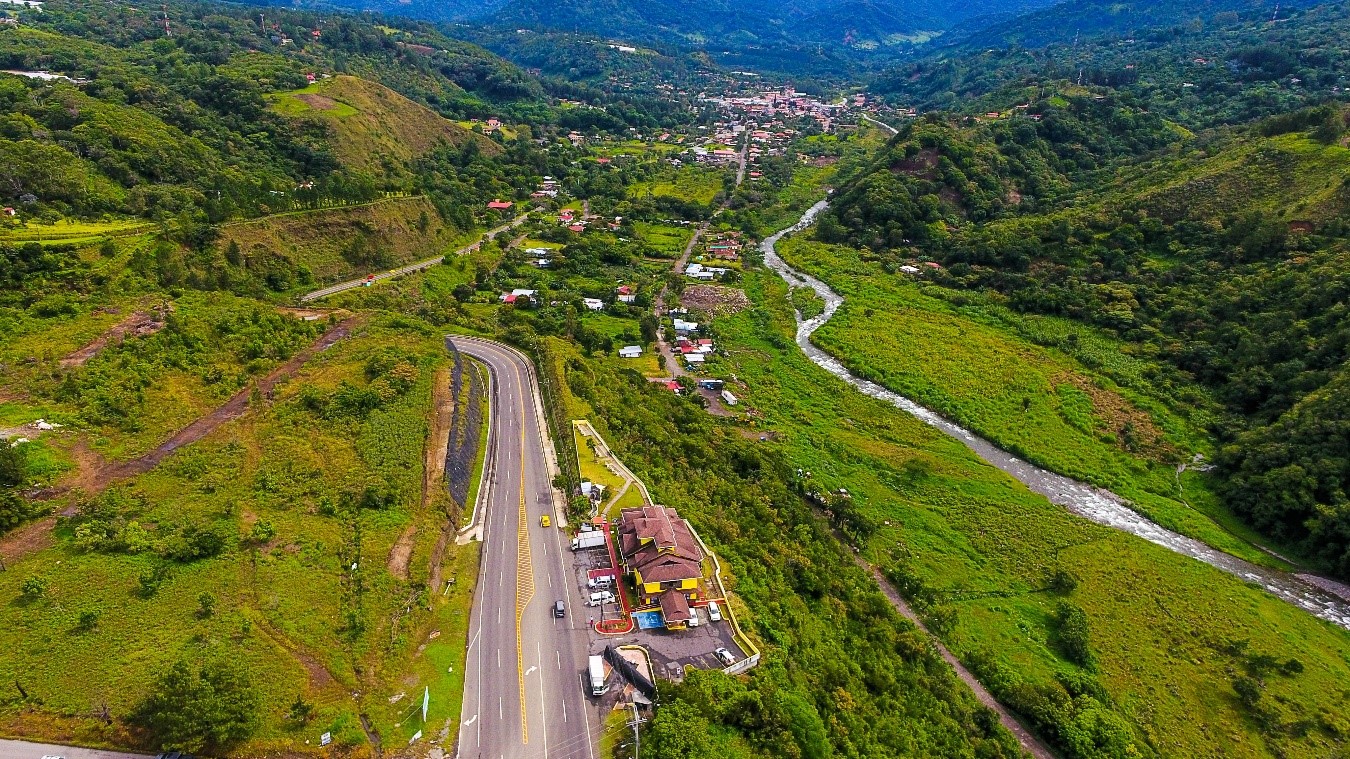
pixel 26 750
pixel 352 284
pixel 523 690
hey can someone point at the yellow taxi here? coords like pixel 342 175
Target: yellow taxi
pixel 544 521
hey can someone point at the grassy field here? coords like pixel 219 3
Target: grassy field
pixel 133 395
pixel 690 183
pixel 1033 401
pixel 594 470
pixel 666 241
pixel 636 148
pixel 306 604
pixel 70 232
pixel 978 550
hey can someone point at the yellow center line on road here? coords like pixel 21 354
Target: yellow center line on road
pixel 524 568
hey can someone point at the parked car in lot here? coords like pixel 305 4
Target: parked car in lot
pixel 714 613
pixel 559 609
pixel 693 617
pixel 726 656
pixel 606 581
pixel 600 597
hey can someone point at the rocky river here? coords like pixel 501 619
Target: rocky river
pixel 1320 596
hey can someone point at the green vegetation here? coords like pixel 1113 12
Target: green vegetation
pixel 268 541
pixel 807 600
pixel 373 126
pixel 1177 260
pixel 1035 402
pixel 664 240
pixel 989 565
pixel 318 247
pixel 699 186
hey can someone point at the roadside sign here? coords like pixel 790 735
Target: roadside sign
pixel 325 739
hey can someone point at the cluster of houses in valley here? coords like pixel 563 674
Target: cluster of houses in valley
pixel 722 246
pixel 578 222
pixel 704 273
pixel 548 188
pixel 521 295
pixel 688 346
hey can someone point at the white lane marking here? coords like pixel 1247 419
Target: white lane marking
pixel 499 615
pixel 472 720
pixel 501 577
pixel 499 658
pixel 501 709
pixel 530 670
pixel 550 579
pixel 558 654
pixel 543 713
pixel 564 703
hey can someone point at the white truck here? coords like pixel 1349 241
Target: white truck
pixel 585 540
pixel 595 675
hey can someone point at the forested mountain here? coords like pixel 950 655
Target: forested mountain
pixel 806 37
pixel 1225 68
pixel 1223 255
pixel 1065 22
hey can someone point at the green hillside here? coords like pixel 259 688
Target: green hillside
pixel 1184 256
pixel 329 245
pixel 374 129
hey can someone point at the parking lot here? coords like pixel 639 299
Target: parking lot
pixel 671 651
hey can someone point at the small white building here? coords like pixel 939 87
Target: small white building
pixel 694 358
pixel 630 351
pixel 684 327
pixel 594 304
pixel 728 398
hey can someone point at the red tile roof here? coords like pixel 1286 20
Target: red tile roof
pixel 674 607
pixel 659 544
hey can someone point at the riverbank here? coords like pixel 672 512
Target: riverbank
pixel 1100 506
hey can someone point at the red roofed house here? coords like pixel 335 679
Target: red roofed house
pixel 659 548
pixel 500 205
pixel 576 228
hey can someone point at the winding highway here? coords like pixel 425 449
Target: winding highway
pixel 523 689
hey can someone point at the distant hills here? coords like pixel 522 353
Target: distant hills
pixel 711 23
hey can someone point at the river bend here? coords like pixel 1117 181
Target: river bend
pixel 1317 595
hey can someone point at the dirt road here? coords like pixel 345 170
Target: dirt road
pixel 37 535
pixel 1030 743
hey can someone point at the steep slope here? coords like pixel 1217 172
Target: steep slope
pixel 1218 262
pixel 374 129
pixel 1219 67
